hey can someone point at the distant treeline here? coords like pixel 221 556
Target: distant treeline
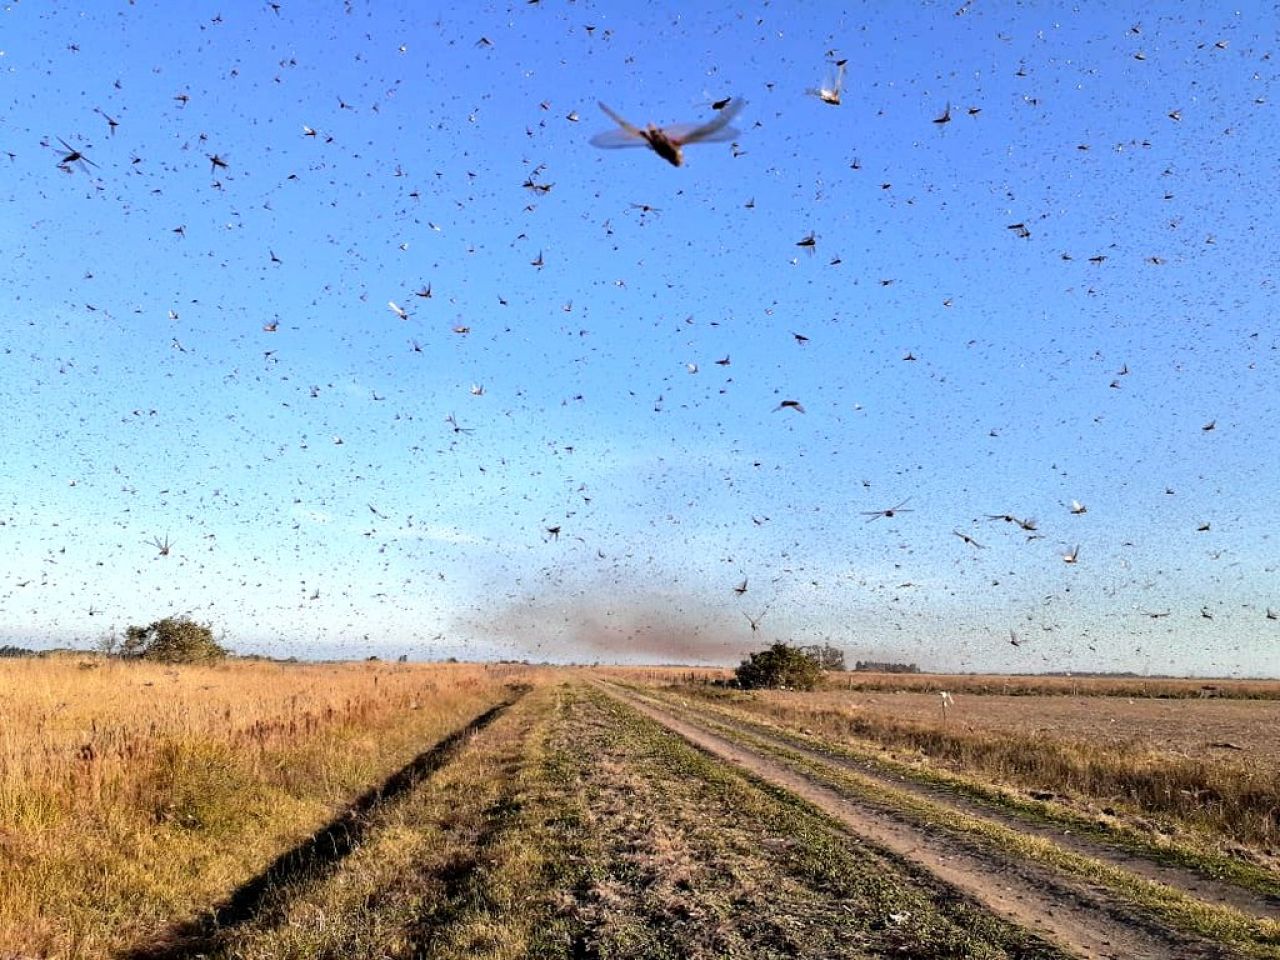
pixel 1123 674
pixel 880 666
pixel 8 650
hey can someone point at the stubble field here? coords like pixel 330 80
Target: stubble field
pixel 1186 727
pixel 396 810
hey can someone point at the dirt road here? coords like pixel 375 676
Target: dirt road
pixel 588 820
pixel 1084 919
pixel 1197 884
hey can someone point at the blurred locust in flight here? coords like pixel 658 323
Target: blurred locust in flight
pixel 669 142
pixel 72 156
pixel 831 93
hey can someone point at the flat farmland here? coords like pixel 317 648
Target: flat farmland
pixel 1178 726
pixel 447 811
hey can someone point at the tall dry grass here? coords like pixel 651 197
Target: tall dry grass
pixel 135 794
pixel 660 674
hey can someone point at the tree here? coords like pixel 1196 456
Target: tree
pixel 828 657
pixel 134 643
pixel 108 643
pixel 781 667
pixel 172 640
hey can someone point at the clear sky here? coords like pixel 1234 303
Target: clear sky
pixel 202 352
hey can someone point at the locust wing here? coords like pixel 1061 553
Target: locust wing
pixel 712 131
pixel 628 135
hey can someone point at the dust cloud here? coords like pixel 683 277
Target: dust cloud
pixel 659 627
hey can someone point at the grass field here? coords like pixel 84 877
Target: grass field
pixel 131 794
pixel 258 810
pixel 1036 686
pixel 1015 685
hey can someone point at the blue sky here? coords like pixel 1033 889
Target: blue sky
pixel 319 500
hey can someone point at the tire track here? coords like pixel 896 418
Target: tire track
pixel 1190 882
pixel 317 855
pixel 1083 920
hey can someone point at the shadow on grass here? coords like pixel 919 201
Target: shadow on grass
pixel 316 856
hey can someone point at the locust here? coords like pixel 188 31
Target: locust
pixel 669 142
pixel 831 94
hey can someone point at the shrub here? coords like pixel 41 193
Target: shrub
pixel 782 666
pixel 172 640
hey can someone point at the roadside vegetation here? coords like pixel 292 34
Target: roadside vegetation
pixel 462 865
pixel 565 825
pixel 256 810
pixel 683 856
pixel 881 786
pixel 570 826
pixel 134 794
pixel 1233 804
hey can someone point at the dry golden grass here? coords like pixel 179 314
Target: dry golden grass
pixel 450 869
pixel 134 794
pixel 659 674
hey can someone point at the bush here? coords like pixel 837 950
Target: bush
pixel 172 640
pixel 781 667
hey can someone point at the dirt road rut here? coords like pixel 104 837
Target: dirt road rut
pixel 1083 919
